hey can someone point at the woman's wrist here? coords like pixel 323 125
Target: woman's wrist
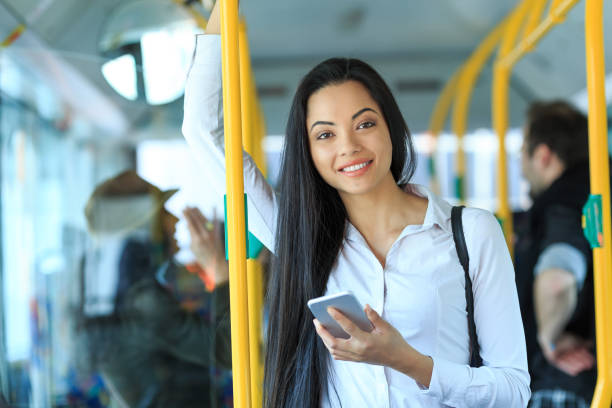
pixel 415 365
pixel 221 268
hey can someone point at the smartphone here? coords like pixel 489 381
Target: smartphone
pixel 346 303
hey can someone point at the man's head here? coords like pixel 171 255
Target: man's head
pixel 555 139
pixel 127 203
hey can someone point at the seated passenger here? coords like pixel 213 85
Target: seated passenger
pixel 554 269
pixel 151 351
pixel 347 219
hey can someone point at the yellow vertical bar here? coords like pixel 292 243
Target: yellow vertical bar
pixel 600 184
pixel 259 303
pixel 248 114
pixel 255 317
pixel 501 79
pixel 463 94
pixel 259 157
pixel 235 204
pixel 260 133
pixel 501 84
pixel 459 126
pixel 247 97
pixel 442 107
pixel 436 123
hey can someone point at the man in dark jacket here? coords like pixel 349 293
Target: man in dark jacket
pixel 553 259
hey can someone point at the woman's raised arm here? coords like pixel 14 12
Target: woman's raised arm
pixel 203 130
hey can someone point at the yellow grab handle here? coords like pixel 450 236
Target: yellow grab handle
pixel 235 204
pixel 600 185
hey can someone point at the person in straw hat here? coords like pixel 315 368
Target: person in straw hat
pixel 150 350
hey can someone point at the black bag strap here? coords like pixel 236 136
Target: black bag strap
pixel 464 259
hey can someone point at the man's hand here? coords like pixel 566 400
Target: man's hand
pixel 206 244
pixel 569 353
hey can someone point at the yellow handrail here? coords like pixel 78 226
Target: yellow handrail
pixel 260 133
pixel 13 36
pixel 508 55
pixel 600 185
pixel 554 4
pixel 255 293
pixel 534 18
pixel 259 127
pixel 501 84
pixel 443 104
pixel 436 123
pixel 249 113
pixel 235 204
pixel 554 17
pixel 463 93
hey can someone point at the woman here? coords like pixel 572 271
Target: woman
pixel 345 220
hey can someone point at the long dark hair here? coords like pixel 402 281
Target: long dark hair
pixel 310 230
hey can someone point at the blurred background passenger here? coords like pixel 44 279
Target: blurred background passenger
pixel 554 269
pixel 166 334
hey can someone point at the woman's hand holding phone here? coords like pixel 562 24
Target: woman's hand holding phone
pixel 384 346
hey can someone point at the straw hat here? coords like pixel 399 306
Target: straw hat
pixel 123 204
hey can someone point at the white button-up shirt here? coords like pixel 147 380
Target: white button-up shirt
pixel 420 291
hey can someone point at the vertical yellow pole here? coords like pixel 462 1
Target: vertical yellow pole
pixel 600 184
pixel 255 316
pixel 443 104
pixel 436 124
pixel 247 98
pixel 501 79
pixel 260 133
pixel 260 159
pixel 501 84
pixel 235 204
pixel 463 94
pixel 459 126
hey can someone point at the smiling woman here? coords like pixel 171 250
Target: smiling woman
pixel 348 219
pixel 349 148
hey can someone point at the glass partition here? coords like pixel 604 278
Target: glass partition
pixel 96 307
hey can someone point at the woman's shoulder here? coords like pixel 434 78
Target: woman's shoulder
pixel 474 217
pixel 476 221
pixel 484 237
pixel 481 228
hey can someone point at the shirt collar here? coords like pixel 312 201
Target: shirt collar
pixel 438 213
pixel 438 210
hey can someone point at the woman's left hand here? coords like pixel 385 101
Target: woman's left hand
pixel 382 346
